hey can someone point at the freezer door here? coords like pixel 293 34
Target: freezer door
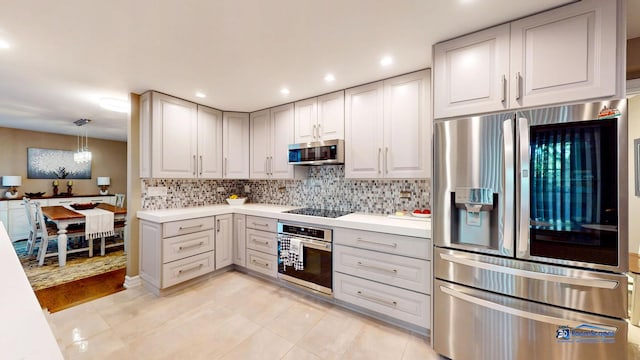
pixel 474 195
pixel 583 290
pixel 475 324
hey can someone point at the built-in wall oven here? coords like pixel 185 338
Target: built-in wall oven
pixel 304 256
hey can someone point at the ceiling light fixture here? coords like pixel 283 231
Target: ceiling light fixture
pixel 4 44
pixel 329 78
pixel 285 91
pixel 115 105
pixel 83 154
pixel 386 61
pixel 200 95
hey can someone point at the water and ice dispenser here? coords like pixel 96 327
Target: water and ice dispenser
pixel 475 217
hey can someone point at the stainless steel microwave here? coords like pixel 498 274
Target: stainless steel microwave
pixel 329 152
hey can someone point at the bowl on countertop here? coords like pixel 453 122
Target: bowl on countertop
pixel 37 194
pixel 83 206
pixel 238 201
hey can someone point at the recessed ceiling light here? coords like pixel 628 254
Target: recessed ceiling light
pixel 200 95
pixel 386 61
pixel 329 78
pixel 115 105
pixel 284 91
pixel 4 44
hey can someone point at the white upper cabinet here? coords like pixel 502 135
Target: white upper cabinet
pixel 564 55
pixel 235 153
pixel 567 54
pixel 388 128
pixel 470 73
pixel 179 139
pixel 271 133
pixel 209 160
pixel 306 120
pixel 407 126
pixel 363 131
pixel 320 118
pixel 259 135
pixel 281 137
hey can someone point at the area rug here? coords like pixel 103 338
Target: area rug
pixel 79 265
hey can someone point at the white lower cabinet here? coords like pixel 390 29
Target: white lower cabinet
pixel 262 245
pixel 176 251
pixel 239 240
pixel 401 304
pixel 263 263
pixel 384 273
pixel 408 273
pixel 224 240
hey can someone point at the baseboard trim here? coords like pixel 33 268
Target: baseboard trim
pixel 132 281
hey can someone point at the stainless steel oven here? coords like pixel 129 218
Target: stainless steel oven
pixel 304 256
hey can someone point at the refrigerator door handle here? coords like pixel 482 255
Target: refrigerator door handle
pixel 587 282
pixel 517 312
pixel 523 176
pixel 509 191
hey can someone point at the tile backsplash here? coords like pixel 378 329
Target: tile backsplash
pixel 325 187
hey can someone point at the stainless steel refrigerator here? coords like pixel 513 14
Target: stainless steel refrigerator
pixel 530 234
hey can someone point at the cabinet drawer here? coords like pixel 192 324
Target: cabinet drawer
pixel 64 201
pixel 389 243
pixel 388 300
pixel 404 272
pixel 180 247
pixel 262 241
pixel 262 223
pixel 263 263
pixel 189 268
pixel 187 226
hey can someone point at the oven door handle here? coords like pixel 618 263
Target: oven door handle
pixel 318 245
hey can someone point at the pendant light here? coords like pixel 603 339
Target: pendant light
pixel 83 155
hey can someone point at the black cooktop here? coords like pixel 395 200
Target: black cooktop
pixel 328 213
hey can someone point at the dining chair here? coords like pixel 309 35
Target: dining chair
pixel 119 200
pixel 29 208
pixel 50 232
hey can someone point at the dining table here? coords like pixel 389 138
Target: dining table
pixel 63 216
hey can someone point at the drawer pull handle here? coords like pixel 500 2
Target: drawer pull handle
pixel 184 247
pixel 259 224
pixel 377 299
pixel 260 242
pixel 394 271
pixel 264 265
pixel 394 245
pixel 190 227
pixel 197 267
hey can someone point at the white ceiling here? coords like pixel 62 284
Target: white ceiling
pixel 66 55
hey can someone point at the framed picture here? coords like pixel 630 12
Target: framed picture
pixel 636 162
pixel 55 164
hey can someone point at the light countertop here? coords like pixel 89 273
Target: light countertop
pixel 25 332
pixel 359 221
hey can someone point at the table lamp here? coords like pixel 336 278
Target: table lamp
pixel 12 182
pixel 103 183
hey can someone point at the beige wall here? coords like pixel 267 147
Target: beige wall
pixel 109 159
pixel 634 201
pixel 633 58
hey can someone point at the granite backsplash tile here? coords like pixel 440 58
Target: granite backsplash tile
pixel 325 187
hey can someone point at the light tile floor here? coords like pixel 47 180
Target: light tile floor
pixel 230 316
